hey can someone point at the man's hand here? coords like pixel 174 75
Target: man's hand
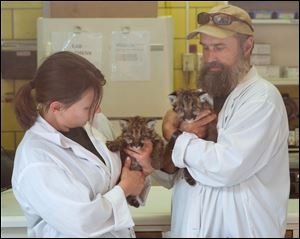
pixel 199 126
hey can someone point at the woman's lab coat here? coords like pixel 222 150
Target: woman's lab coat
pixel 65 190
pixel 243 184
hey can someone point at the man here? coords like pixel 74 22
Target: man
pixel 242 187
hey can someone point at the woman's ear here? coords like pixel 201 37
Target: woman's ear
pixel 55 106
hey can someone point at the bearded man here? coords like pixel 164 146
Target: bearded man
pixel 242 186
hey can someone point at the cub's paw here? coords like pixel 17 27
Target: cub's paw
pixel 112 146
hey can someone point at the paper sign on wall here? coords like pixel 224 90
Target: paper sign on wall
pixel 130 56
pixel 88 45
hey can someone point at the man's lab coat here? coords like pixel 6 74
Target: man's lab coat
pixel 243 182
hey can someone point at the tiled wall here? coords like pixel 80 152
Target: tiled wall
pixel 18 22
pixel 177 9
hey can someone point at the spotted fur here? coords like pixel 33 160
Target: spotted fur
pixel 188 104
pixel 134 132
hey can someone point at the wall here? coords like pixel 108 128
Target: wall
pixel 177 10
pixel 18 22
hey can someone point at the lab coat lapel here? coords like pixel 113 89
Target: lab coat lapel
pixel 230 104
pixel 112 160
pixel 86 154
pixel 45 130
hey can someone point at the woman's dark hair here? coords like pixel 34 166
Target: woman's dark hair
pixel 63 77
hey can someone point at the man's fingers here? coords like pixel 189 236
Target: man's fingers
pixel 127 162
pixel 203 114
pixel 208 119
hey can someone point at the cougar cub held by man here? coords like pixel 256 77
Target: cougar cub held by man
pixel 188 104
pixel 134 131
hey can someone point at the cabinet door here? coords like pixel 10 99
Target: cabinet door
pixel 155 234
pixel 288 234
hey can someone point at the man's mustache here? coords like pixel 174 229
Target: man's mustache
pixel 214 64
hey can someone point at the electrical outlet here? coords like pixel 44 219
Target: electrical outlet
pixel 188 62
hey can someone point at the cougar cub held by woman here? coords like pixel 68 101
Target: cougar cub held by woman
pixel 188 104
pixel 134 131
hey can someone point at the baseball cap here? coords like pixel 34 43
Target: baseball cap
pixel 240 22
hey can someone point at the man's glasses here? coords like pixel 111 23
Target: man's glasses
pixel 220 19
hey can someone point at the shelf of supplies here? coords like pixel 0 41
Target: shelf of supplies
pixel 293 149
pixel 284 81
pixel 275 21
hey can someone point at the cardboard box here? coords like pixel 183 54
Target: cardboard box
pixel 101 9
pixel 260 60
pixel 291 72
pixel 270 71
pixel 261 49
pixel 261 14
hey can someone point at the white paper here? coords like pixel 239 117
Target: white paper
pixel 88 45
pixel 130 56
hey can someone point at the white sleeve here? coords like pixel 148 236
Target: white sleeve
pixel 164 179
pixel 242 149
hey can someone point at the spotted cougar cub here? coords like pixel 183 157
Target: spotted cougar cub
pixel 134 131
pixel 188 104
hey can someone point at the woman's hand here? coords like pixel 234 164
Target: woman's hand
pixel 142 155
pixel 132 181
pixel 199 126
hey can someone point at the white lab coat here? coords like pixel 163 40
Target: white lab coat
pixel 104 126
pixel 243 182
pixel 65 190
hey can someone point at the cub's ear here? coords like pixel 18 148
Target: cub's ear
pixel 172 97
pixel 151 123
pixel 207 98
pixel 123 124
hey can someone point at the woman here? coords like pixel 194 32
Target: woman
pixel 65 179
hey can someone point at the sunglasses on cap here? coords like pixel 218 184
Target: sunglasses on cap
pixel 220 19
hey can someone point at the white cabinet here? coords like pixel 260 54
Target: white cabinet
pixel 152 220
pixel 283 36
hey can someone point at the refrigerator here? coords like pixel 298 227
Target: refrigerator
pixel 134 54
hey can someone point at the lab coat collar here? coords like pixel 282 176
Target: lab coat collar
pixel 45 130
pixel 248 79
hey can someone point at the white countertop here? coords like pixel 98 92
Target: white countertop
pixel 154 216
pixel 155 213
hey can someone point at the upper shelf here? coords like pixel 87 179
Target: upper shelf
pixel 284 81
pixel 275 21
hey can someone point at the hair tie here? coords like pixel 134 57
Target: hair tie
pixel 31 84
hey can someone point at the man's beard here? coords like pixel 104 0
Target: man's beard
pixel 221 83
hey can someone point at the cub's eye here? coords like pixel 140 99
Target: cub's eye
pixel 128 141
pixel 141 144
pixel 180 114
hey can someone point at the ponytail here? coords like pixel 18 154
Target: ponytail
pixel 25 107
pixel 64 77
